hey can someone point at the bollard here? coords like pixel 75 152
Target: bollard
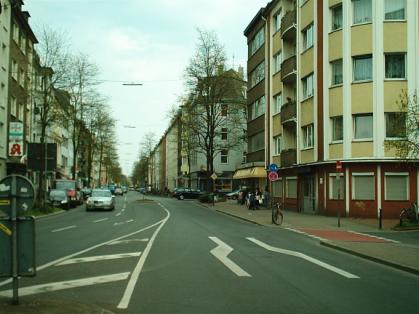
pixel 338 217
pixel 380 218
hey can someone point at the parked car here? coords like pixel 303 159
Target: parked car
pixel 235 194
pixel 176 191
pixel 100 199
pixel 118 191
pixel 86 192
pixel 188 193
pixel 59 198
pixel 124 189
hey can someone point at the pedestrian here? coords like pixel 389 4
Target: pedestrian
pixel 258 198
pixel 266 197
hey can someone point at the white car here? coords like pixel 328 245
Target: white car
pixel 100 199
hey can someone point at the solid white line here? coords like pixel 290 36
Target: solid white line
pixel 123 304
pixel 52 263
pixel 54 286
pixel 374 236
pixel 128 241
pixel 305 257
pixel 98 258
pixel 99 220
pixel 221 252
pixel 306 234
pixel 65 228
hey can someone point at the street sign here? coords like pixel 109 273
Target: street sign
pixel 25 248
pixel 273 176
pixel 338 166
pixel 273 167
pixel 38 152
pixel 25 195
pixel 214 176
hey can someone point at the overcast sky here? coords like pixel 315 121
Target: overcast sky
pixel 144 41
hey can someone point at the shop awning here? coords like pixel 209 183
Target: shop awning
pixel 254 172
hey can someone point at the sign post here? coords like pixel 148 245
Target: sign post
pixel 338 172
pixel 213 177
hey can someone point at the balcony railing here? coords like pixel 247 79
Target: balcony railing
pixel 289 70
pixel 288 25
pixel 288 112
pixel 288 157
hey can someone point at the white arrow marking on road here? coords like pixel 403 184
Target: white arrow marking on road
pixel 65 228
pixel 305 257
pixel 54 286
pixel 98 258
pixel 128 241
pixel 221 252
pixel 99 220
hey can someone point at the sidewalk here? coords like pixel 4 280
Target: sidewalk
pixel 350 237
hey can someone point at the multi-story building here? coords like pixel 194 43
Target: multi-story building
pixel 331 73
pixel 5 18
pixel 173 150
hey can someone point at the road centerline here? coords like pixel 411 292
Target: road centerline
pixel 64 228
pixel 99 220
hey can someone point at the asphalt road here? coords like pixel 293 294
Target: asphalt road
pixel 171 256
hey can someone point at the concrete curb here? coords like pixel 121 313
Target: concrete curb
pixel 49 215
pixel 241 218
pixel 372 258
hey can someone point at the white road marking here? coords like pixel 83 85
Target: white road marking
pixel 98 258
pixel 99 220
pixel 305 257
pixel 118 214
pixel 374 236
pixel 128 241
pixel 59 260
pixel 65 228
pixel 55 286
pixel 123 304
pixel 123 222
pixel 221 252
pixel 306 234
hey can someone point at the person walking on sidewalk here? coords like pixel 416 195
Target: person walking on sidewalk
pixel 258 198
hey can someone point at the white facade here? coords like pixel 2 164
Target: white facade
pixel 172 153
pixel 5 16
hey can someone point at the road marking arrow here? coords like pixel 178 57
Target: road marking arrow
pixel 54 286
pixel 221 252
pixel 305 257
pixel 98 258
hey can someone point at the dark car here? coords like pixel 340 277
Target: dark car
pixel 59 198
pixel 188 193
pixel 86 192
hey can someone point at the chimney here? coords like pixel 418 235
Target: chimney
pixel 240 70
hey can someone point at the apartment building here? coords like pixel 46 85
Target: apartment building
pixel 5 17
pixel 333 73
pixel 173 150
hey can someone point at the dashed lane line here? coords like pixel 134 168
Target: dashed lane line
pixel 55 286
pixel 99 220
pixel 65 228
pixel 128 241
pixel 98 258
pixel 304 257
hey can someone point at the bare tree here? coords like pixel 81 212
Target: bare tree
pixel 405 128
pixel 216 104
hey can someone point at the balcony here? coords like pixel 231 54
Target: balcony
pixel 288 157
pixel 289 70
pixel 289 26
pixel 288 112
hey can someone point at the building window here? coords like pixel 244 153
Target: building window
pixel 337 128
pixel 362 68
pixel 15 30
pixel 277 21
pixel 362 11
pixel 14 70
pixel 244 159
pixel 277 61
pixel 257 75
pixel 257 41
pixel 13 106
pixel 277 145
pixel 308 136
pixel 363 186
pixel 396 186
pixel 337 74
pixel 277 188
pixel 224 110
pixel 21 78
pixel 258 107
pixel 336 186
pixel 224 133
pixel 308 37
pixel 395 124
pixel 337 17
pixel 224 156
pixel 395 66
pixel 363 127
pixel 308 87
pixel 394 10
pixel 21 113
pixel 256 142
pixel 291 187
pixel 277 103
pixel 23 44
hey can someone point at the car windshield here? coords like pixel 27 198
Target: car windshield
pixel 101 193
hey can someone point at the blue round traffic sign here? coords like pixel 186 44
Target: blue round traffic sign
pixel 273 167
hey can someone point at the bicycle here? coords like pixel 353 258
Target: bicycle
pixel 277 214
pixel 410 213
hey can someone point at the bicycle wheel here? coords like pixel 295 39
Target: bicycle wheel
pixel 278 217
